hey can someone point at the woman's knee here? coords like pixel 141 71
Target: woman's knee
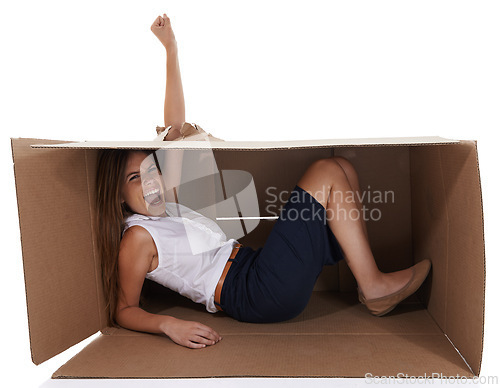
pixel 320 177
pixel 328 167
pixel 347 166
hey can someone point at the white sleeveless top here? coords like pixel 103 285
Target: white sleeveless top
pixel 192 252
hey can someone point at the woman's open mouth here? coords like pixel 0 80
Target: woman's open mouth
pixel 153 197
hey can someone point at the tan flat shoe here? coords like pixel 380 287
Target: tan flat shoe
pixel 383 305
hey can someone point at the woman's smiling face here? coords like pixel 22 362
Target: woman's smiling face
pixel 142 188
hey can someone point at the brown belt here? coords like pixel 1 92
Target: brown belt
pixel 218 289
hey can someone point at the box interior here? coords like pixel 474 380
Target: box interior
pixel 436 213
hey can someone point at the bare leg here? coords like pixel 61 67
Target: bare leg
pixel 327 182
pixel 352 177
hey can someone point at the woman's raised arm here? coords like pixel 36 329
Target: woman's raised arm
pixel 174 109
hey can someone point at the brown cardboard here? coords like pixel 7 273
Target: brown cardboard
pixel 333 337
pixel 59 267
pixel 437 214
pixel 452 206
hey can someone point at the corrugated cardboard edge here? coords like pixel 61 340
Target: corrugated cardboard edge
pixel 484 258
pixel 257 145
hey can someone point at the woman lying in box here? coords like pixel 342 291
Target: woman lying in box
pixel 140 237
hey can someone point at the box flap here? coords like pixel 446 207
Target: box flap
pixel 334 337
pixel 251 145
pixel 59 265
pixel 448 229
pixel 466 255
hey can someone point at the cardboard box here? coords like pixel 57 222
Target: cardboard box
pixel 436 213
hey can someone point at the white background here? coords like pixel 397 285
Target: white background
pixel 252 70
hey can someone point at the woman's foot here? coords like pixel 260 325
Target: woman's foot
pixel 387 283
pixel 394 287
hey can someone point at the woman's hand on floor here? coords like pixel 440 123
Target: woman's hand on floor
pixel 190 334
pixel 163 30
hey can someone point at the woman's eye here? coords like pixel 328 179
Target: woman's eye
pixel 134 177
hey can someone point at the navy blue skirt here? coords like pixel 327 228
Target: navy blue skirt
pixel 274 283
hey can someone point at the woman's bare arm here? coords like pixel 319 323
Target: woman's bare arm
pixel 174 109
pixel 137 250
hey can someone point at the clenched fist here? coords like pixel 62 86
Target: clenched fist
pixel 163 30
